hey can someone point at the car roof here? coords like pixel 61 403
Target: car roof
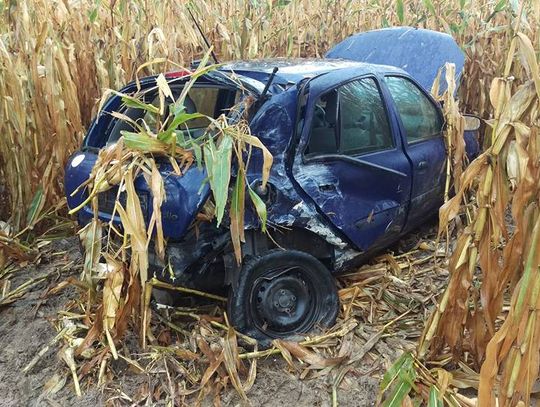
pixel 292 71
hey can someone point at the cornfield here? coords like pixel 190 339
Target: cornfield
pixel 58 57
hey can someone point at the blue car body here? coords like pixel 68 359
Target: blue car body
pixel 341 208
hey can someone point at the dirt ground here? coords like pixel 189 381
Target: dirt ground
pixel 26 329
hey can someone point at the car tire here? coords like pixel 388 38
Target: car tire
pixel 283 294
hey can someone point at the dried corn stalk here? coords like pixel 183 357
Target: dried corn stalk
pixel 57 57
pixel 502 239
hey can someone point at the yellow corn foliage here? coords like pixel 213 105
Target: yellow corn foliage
pixel 57 57
pixel 497 255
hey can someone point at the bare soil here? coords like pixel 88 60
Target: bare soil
pixel 26 328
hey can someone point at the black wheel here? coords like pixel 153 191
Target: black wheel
pixel 282 294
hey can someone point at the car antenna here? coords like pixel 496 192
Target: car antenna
pixel 262 98
pixel 203 36
pixel 269 82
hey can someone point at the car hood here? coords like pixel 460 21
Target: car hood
pixel 419 52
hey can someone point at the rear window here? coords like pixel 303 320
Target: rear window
pixel 210 101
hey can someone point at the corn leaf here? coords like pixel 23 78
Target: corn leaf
pixel 237 214
pixel 35 206
pixel 135 103
pixel 218 167
pixel 260 207
pixel 179 119
pixel 403 362
pixel 144 142
pixel 434 400
pixel 400 10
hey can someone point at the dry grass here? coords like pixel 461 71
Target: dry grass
pixel 194 355
pixel 501 192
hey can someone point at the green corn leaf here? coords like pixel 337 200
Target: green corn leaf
pixel 144 142
pixel 404 383
pixel 500 6
pixel 202 69
pixel 429 5
pixel 197 152
pixel 209 149
pixel 260 207
pixel 391 374
pixel 434 400
pixel 396 398
pixel 130 101
pixel 35 206
pixel 179 119
pixel 179 138
pixel 400 9
pixel 92 16
pixel 168 136
pixel 237 214
pixel 218 167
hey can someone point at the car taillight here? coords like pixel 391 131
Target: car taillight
pixel 177 74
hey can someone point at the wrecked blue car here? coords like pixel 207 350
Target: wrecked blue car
pixel 359 161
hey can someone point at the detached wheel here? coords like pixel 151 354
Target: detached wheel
pixel 283 294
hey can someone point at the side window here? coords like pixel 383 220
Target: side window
pixel 364 123
pixel 419 116
pixel 350 120
pixel 323 135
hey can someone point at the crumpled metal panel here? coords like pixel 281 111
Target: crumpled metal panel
pixel 290 206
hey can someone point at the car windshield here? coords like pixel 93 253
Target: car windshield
pixel 211 101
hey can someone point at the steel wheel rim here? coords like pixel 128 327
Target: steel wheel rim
pixel 284 301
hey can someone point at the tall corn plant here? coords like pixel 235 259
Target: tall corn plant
pixel 502 239
pixel 56 58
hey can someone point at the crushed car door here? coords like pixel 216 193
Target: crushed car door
pixel 349 161
pixel 421 125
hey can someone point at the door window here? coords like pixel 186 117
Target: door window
pixel 350 120
pixel 419 116
pixel 323 136
pixel 364 124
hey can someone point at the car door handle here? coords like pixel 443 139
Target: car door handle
pixel 327 187
pixel 422 165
